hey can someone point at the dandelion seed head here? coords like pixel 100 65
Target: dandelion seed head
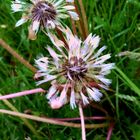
pixel 46 14
pixel 76 74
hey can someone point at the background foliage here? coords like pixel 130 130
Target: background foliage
pixel 117 22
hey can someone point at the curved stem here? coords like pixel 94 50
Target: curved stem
pixel 23 93
pixel 51 121
pixel 16 55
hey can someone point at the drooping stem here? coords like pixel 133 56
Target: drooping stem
pixel 17 56
pixel 23 93
pixel 52 121
pixel 83 16
pixel 82 122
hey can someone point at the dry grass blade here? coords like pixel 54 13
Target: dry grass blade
pixel 16 55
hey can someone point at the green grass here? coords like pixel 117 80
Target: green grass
pixel 117 23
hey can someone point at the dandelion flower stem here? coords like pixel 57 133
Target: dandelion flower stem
pixel 85 118
pixel 16 55
pixel 23 93
pixel 83 16
pixel 82 122
pixel 51 121
pixel 111 126
pixel 73 27
pixel 80 23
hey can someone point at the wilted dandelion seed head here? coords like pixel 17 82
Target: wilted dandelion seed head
pixel 76 75
pixel 47 14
